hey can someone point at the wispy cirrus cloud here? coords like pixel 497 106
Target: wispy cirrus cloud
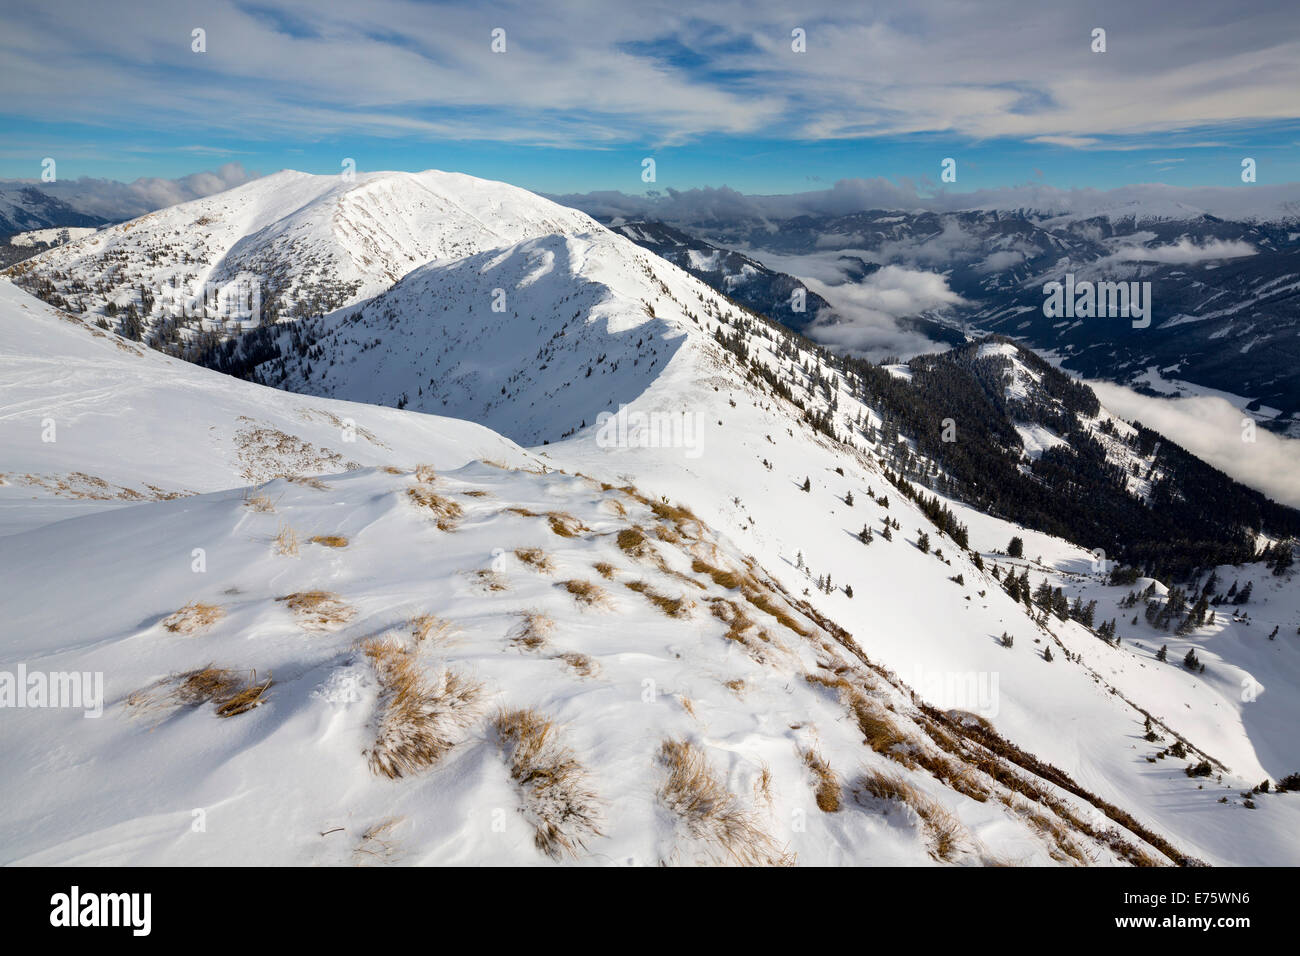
pixel 657 73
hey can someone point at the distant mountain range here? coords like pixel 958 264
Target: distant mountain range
pixel 1224 295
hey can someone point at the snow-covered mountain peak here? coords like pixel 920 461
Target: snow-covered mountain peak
pixel 292 244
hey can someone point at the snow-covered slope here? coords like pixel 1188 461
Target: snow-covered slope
pixel 705 426
pixel 89 421
pixel 379 666
pixel 903 655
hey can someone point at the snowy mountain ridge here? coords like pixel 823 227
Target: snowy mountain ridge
pixel 789 516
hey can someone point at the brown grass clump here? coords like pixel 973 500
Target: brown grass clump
pixel 581 664
pixel 736 686
pixel 947 836
pixel 887 786
pixel 681 517
pixel 489 580
pixel 226 689
pixel 532 630
pixel 587 594
pixel 712 813
pixel 558 798
pixel 318 609
pixel 565 525
pixel 286 541
pixel 605 569
pixel 678 607
pixel 421 716
pixel 392 470
pixel 478 493
pixel 536 558
pixel 446 512
pixel 259 502
pixel 828 785
pixel 723 579
pixel 330 540
pixel 308 481
pixel 429 627
pixel 738 622
pixel 426 474
pixel 879 732
pixel 767 603
pixel 632 541
pixel 193 617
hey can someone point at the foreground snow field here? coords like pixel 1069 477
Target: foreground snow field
pixel 707 701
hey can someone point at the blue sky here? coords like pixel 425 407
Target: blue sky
pixel 715 93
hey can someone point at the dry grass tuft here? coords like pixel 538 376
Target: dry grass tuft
pixel 446 512
pixel 828 785
pixel 711 812
pixel 681 517
pixel 723 579
pixel 429 627
pixel 678 607
pixel 581 664
pixel 605 570
pixel 763 785
pixel 565 525
pixel 226 689
pixel 426 473
pixel 286 541
pixel 887 786
pixel 769 604
pixel 738 622
pixel 558 798
pixel 632 541
pixel 421 716
pixel 392 470
pixel 879 732
pixel 948 837
pixel 536 558
pixel 532 631
pixel 587 593
pixel 193 617
pixel 330 540
pixel 259 502
pixel 308 481
pixel 489 580
pixel 377 842
pixel 318 609
pixel 478 493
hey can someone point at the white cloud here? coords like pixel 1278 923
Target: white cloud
pixel 1211 428
pixel 1185 250
pixel 864 315
pixel 655 74
pixel 114 200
